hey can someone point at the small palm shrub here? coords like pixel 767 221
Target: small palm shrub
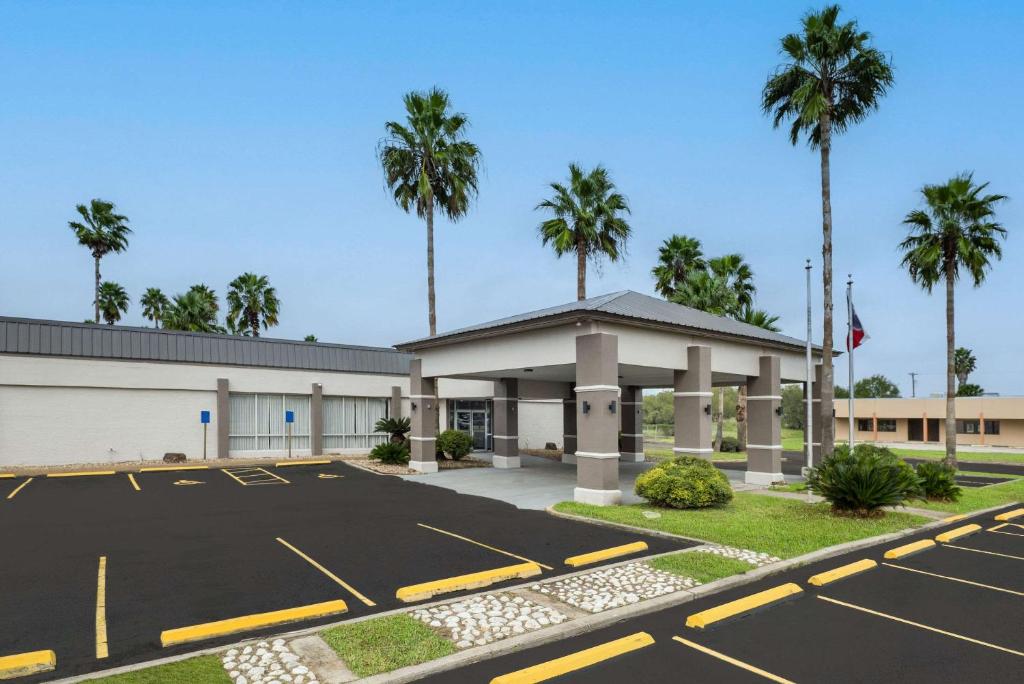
pixel 938 481
pixel 684 482
pixel 730 444
pixel 392 453
pixel 454 444
pixel 396 427
pixel 862 482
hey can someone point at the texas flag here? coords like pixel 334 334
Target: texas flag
pixel 859 335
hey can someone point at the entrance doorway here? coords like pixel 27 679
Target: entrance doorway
pixel 472 417
pixel 916 430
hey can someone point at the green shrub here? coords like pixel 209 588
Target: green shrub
pixel 454 444
pixel 396 427
pixel 684 482
pixel 938 481
pixel 863 482
pixel 730 444
pixel 392 453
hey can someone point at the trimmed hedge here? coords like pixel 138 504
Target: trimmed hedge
pixel 684 482
pixel 454 444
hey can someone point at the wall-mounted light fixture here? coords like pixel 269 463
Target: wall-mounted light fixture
pixel 707 409
pixel 778 410
pixel 413 404
pixel 611 406
pixel 586 407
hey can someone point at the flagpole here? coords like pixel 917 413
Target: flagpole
pixel 808 432
pixel 850 345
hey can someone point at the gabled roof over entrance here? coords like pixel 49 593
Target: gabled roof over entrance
pixel 621 306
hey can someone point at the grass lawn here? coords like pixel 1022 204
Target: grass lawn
pixel 781 527
pixel 206 669
pixel 385 644
pixel 969 456
pixel 703 567
pixel 975 498
pixel 792 440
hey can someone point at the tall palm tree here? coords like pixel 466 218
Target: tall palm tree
pixel 955 231
pixel 252 302
pixel 587 220
pixel 759 317
pixel 195 311
pixel 154 302
pixel 738 276
pixel 833 78
pixel 708 292
pixel 430 166
pixel 964 363
pixel 102 231
pixel 112 301
pixel 678 256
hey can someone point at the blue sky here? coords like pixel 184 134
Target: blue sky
pixel 242 136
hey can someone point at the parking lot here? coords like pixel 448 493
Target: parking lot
pixel 941 610
pixel 109 569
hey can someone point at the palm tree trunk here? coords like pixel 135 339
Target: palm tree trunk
pixel 827 377
pixel 721 419
pixel 432 311
pixel 741 417
pixel 950 459
pixel 96 290
pixel 581 270
pixel 254 323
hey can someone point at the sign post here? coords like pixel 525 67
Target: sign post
pixel 204 418
pixel 289 418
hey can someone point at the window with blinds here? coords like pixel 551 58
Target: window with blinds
pixel 258 424
pixel 349 421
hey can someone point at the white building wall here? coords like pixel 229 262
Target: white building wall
pixel 540 421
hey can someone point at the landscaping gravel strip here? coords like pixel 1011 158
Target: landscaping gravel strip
pixel 746 555
pixel 614 587
pixel 266 663
pixel 480 620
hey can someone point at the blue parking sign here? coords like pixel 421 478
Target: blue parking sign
pixel 289 416
pixel 204 417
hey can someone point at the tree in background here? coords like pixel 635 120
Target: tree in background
pixel 969 389
pixel 955 231
pixel 430 166
pixel 587 220
pixel 195 311
pixel 102 231
pixel 831 80
pixel 659 408
pixel 875 387
pixel 678 256
pixel 112 301
pixel 154 302
pixel 964 363
pixel 310 338
pixel 840 392
pixel 793 414
pixel 252 303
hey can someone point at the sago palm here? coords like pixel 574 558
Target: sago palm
pixel 833 78
pixel 154 302
pixel 429 166
pixel 102 231
pixel 112 301
pixel 678 256
pixel 955 232
pixel 587 220
pixel 252 303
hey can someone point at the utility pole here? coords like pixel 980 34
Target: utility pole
pixel 913 384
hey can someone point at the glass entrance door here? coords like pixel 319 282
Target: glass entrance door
pixel 474 424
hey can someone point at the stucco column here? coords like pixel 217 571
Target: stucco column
pixel 316 420
pixel 632 447
pixel 816 424
pixel 569 427
pixel 764 436
pixel 423 416
pixel 692 402
pixel 395 408
pixel 506 423
pixel 223 417
pixel 597 419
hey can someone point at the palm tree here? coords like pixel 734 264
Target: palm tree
pixel 758 317
pixel 252 302
pixel 112 301
pixel 708 292
pixel 964 363
pixel 103 232
pixel 833 79
pixel 738 276
pixel 310 338
pixel 587 220
pixel 678 256
pixel 430 166
pixel 194 311
pixel 154 302
pixel 956 231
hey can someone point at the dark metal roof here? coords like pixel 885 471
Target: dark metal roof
pixel 628 305
pixel 85 340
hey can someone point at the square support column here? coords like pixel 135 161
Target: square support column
pixel 316 420
pixel 569 427
pixel 223 418
pixel 632 447
pixel 506 423
pixel 764 431
pixel 423 416
pixel 597 419
pixel 692 404
pixel 816 425
pixel 395 408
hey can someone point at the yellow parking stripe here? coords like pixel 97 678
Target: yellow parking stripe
pixel 823 578
pixel 955 579
pixel 210 630
pixel 131 479
pixel 907 549
pixel 921 626
pixel 1010 515
pixel 81 473
pixel 492 548
pixel 576 661
pixel 168 469
pixel 6 476
pixel 101 610
pixel 327 572
pixel 957 533
pixel 744 605
pixel 990 553
pixel 954 518
pixel 475 580
pixel 733 661
pixel 284 464
pixel 24 664
pixel 19 488
pixel 605 554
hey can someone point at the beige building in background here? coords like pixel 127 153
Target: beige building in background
pixel 980 421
